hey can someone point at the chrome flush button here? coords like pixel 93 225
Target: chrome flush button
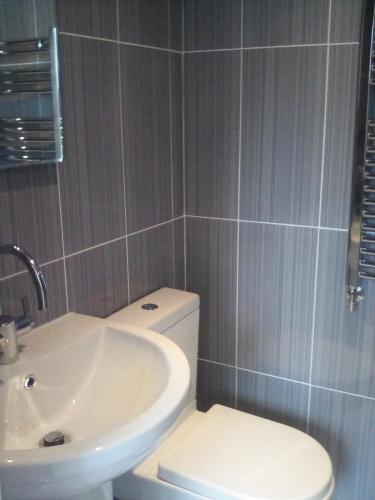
pixel 149 307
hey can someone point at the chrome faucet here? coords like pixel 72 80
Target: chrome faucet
pixel 8 324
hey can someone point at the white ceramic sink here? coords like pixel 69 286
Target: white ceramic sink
pixel 112 390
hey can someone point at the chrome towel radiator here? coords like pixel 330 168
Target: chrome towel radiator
pixel 361 244
pixel 30 109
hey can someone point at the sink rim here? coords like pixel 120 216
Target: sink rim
pixel 147 422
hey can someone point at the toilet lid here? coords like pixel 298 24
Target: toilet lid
pixel 230 454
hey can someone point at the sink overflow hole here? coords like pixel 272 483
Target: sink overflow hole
pixel 30 382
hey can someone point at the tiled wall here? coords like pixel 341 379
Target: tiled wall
pixel 267 91
pixel 269 98
pixel 107 224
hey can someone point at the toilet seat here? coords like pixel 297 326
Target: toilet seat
pixel 233 455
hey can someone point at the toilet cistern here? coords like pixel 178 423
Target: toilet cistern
pixel 8 324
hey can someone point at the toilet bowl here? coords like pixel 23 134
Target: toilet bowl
pixel 223 453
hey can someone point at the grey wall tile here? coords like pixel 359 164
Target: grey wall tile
pixel 23 19
pixel 215 384
pixel 97 280
pixel 276 288
pixel 179 253
pixel 175 24
pixel 344 425
pixel 339 136
pixel 276 399
pixel 211 133
pixel 342 339
pixel 283 111
pixel 13 289
pixel 88 17
pixel 285 22
pixel 212 24
pixel 146 122
pixel 211 273
pixel 346 19
pixel 145 22
pixel 29 214
pixel 91 175
pixel 16 19
pixel 177 152
pixel 46 16
pixel 151 263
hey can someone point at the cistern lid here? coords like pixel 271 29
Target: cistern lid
pixel 230 455
pixel 159 310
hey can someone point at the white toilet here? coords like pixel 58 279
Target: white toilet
pixel 222 454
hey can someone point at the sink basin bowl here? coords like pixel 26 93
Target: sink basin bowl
pixel 112 390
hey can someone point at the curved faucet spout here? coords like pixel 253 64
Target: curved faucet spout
pixel 32 267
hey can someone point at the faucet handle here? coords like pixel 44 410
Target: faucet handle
pixel 25 320
pixel 6 319
pixel 9 345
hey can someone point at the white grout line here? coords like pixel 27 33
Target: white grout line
pixel 94 247
pixel 25 271
pixel 171 153
pixel 130 44
pixel 62 235
pixel 73 254
pixel 117 22
pixel 267 223
pixel 183 132
pixel 124 236
pixel 315 296
pixel 53 261
pixel 35 21
pixel 238 205
pixel 362 396
pixel 156 225
pixel 294 225
pixel 184 163
pixel 183 25
pixel 122 150
pixel 269 375
pixel 231 49
pixel 89 37
pixel 260 47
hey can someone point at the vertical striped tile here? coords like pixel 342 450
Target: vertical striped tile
pixel 339 143
pixel 282 135
pixel 344 343
pixel 97 280
pixel 285 22
pixel 146 131
pixel 151 263
pixel 212 86
pixel 215 385
pixel 344 425
pixel 281 400
pixel 276 291
pixel 211 273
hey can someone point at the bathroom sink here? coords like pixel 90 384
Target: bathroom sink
pixel 111 390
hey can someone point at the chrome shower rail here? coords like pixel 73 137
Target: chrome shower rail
pixel 361 243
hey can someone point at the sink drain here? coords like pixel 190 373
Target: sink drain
pixel 53 438
pixel 29 382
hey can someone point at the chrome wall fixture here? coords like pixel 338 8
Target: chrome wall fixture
pixel 30 109
pixel 361 244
